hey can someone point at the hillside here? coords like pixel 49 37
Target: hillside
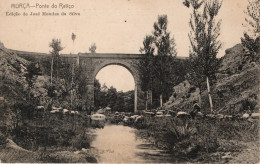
pixel 236 86
pixel 12 71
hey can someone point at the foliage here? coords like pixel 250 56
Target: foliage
pixel 248 106
pixel 163 60
pixel 252 45
pixel 75 83
pixel 146 65
pixel 56 48
pixel 3 140
pixel 81 141
pixel 46 129
pixel 251 40
pixel 32 71
pixel 204 37
pixel 253 19
pixel 110 97
pixel 190 139
pixel 204 41
pixel 157 67
pixel 73 37
pixel 93 48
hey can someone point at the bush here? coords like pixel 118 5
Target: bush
pixel 188 138
pixel 248 105
pixel 49 130
pixel 80 141
pixel 3 140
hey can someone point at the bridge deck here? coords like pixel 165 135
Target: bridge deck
pixel 87 55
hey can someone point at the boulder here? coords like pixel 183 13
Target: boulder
pixel 182 114
pixel 39 107
pixel 183 97
pixel 245 116
pixel 65 110
pixel 255 115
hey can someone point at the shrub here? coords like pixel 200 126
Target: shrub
pixel 81 141
pixel 248 105
pixel 188 138
pixel 3 140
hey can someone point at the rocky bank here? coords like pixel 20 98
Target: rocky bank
pixel 235 91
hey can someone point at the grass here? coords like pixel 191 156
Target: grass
pixel 45 135
pixel 199 140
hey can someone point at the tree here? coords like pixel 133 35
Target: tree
pixel 32 71
pixel 165 48
pixel 73 37
pixel 117 100
pixel 56 48
pixel 145 66
pixel 204 40
pixel 157 66
pixel 93 48
pixel 253 19
pixel 97 93
pixel 111 97
pixel 251 40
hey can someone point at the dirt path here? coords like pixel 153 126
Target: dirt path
pixel 251 154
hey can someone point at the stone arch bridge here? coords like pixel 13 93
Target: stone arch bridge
pixel 91 64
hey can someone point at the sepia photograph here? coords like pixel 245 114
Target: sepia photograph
pixel 129 81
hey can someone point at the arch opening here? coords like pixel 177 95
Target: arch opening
pixel 115 87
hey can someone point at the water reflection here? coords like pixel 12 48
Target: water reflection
pixel 119 144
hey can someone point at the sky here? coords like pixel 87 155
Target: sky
pixel 120 78
pixel 116 26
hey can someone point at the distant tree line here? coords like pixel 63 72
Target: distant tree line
pixel 110 97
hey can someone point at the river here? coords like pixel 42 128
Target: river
pixel 119 144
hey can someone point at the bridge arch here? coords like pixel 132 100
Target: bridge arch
pixel 128 68
pixel 93 63
pixel 125 65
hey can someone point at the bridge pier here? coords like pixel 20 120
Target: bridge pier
pixel 90 96
pixel 135 101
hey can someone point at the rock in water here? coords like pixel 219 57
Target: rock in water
pixel 246 115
